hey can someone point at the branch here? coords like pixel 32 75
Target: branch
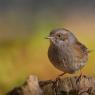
pixel 64 86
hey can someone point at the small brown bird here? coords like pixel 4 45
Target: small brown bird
pixel 65 52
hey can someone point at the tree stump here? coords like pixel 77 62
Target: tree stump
pixel 63 86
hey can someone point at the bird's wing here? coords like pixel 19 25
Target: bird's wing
pixel 84 48
pixel 80 50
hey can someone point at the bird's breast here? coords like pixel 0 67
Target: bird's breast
pixel 65 58
pixel 60 57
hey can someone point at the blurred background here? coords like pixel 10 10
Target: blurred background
pixel 23 26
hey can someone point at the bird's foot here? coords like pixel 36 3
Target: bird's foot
pixel 56 84
pixel 57 79
pixel 79 78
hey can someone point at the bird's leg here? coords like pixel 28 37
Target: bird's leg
pixel 61 74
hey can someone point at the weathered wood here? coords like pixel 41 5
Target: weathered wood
pixel 63 86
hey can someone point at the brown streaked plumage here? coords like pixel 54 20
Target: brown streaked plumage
pixel 65 51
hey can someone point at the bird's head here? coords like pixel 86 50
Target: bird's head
pixel 61 36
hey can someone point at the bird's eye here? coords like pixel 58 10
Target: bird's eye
pixel 59 35
pixel 62 37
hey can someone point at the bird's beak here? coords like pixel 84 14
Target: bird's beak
pixel 49 37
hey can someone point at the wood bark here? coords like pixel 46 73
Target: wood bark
pixel 84 85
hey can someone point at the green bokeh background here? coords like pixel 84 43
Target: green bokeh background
pixel 23 26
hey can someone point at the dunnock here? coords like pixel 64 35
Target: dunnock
pixel 65 52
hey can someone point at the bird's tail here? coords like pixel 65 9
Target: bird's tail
pixel 90 51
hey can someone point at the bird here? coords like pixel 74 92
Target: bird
pixel 66 52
